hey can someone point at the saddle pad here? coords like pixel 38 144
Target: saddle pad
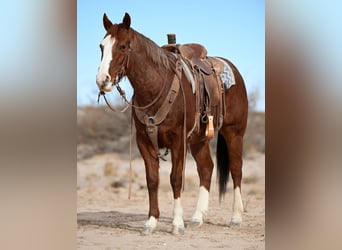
pixel 227 75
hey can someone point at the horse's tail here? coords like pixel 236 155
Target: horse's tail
pixel 222 162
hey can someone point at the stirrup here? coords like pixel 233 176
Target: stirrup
pixel 209 132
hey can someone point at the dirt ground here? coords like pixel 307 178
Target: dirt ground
pixel 107 219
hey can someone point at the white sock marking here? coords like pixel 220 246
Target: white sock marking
pixel 178 213
pixel 202 205
pixel 237 206
pixel 151 223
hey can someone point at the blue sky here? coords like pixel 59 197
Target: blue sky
pixel 231 29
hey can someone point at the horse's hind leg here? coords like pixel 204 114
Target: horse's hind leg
pixel 235 156
pixel 201 153
pixel 234 144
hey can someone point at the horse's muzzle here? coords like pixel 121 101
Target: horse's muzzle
pixel 107 86
pixel 104 83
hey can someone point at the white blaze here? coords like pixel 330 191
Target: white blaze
pixel 103 72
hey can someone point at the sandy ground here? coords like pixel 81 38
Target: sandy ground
pixel 107 219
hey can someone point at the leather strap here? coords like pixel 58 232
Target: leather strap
pixel 152 122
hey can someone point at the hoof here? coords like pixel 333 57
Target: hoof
pixel 235 223
pixel 195 224
pixel 177 230
pixel 147 231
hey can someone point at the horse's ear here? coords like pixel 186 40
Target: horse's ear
pixel 126 21
pixel 106 22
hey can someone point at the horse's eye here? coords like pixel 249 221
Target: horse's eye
pixel 122 47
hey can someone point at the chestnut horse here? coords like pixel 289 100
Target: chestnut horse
pixel 152 72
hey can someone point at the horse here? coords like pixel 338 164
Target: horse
pixel 157 77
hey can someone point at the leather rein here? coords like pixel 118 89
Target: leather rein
pixel 163 110
pixel 151 122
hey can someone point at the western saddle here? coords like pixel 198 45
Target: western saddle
pixel 209 91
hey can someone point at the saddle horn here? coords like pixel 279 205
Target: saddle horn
pixel 171 38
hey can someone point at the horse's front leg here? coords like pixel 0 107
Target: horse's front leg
pixel 152 179
pixel 176 179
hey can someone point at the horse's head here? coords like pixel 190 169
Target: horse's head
pixel 115 48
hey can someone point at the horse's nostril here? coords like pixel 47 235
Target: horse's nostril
pixel 108 78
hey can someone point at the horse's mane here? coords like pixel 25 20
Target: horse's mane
pixel 159 56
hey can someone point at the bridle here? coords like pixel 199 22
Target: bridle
pixel 121 73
